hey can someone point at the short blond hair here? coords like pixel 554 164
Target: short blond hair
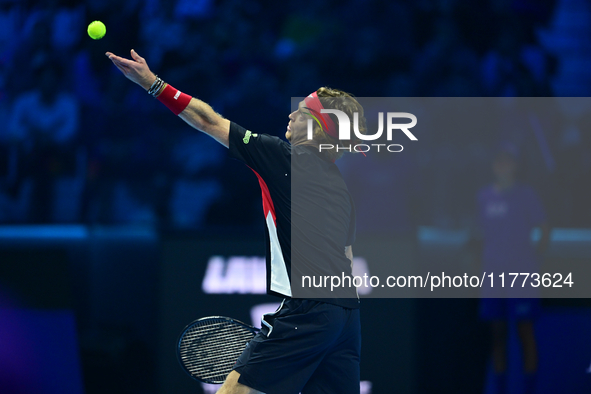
pixel 343 101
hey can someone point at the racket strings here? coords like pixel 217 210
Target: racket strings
pixel 213 351
pixel 210 348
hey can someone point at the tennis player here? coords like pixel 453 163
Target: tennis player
pixel 310 344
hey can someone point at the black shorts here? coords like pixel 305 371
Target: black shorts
pixel 305 346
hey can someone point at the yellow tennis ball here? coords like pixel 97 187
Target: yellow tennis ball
pixel 97 30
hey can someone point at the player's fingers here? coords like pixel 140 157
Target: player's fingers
pixel 125 62
pixel 122 69
pixel 118 61
pixel 137 57
pixel 112 56
pixel 119 65
pixel 113 60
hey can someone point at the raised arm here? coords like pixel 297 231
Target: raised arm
pixel 197 113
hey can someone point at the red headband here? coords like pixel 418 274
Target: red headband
pixel 314 105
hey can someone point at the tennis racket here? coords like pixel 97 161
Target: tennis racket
pixel 209 347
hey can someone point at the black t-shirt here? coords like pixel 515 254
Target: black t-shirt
pixel 309 214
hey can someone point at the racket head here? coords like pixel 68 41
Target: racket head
pixel 208 348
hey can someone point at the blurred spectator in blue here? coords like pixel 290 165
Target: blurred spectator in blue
pixel 14 194
pixel 515 65
pixel 10 15
pixel 44 123
pixel 196 9
pixel 69 20
pixel 126 161
pixel 32 53
pixel 47 115
pixel 446 65
pixel 508 211
pixel 197 187
pixel 160 30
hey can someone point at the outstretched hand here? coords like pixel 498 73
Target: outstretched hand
pixel 135 69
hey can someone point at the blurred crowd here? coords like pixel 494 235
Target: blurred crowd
pixel 81 144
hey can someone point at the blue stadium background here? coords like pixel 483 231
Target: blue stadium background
pixel 111 209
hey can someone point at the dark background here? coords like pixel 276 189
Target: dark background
pixel 110 207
